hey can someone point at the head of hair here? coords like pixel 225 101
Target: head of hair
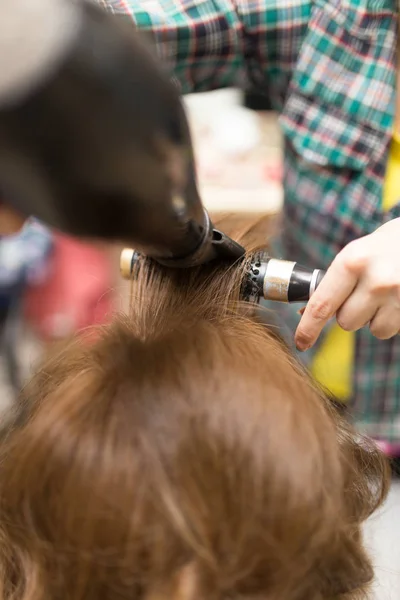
pixel 183 454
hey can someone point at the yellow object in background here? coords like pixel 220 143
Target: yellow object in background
pixel 391 191
pixel 333 364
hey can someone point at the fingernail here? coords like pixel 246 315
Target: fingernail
pixel 302 347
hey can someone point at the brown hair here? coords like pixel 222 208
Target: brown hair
pixel 183 455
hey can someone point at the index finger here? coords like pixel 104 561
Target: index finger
pixel 334 289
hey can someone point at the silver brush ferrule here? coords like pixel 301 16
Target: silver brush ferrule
pixel 280 280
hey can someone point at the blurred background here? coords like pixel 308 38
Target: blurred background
pixel 52 286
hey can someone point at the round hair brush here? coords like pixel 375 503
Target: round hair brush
pixel 268 278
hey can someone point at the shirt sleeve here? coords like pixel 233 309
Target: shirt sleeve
pixel 203 42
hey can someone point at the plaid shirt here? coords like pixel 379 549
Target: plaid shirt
pixel 329 68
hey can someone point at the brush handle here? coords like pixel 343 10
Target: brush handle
pixel 283 280
pixel 303 283
pixel 287 281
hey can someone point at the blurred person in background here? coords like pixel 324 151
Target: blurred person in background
pixel 54 284
pixel 330 69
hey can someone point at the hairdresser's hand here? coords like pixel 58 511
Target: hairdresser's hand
pixel 10 221
pixel 361 287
